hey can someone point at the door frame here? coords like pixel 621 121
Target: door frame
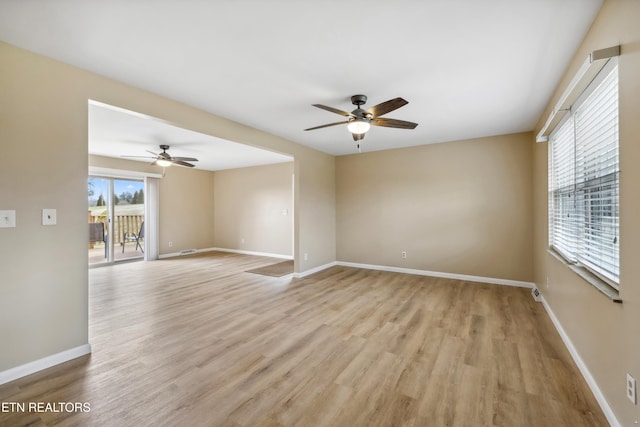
pixel 151 208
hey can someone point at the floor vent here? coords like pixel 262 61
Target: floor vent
pixel 187 251
pixel 536 294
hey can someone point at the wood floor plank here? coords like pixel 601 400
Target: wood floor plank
pixel 196 340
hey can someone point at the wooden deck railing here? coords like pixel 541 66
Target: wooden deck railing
pixel 122 224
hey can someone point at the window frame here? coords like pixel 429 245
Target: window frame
pixel 609 285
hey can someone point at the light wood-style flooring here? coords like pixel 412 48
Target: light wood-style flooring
pixel 197 341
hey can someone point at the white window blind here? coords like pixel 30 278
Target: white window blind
pixel 583 181
pixel 563 225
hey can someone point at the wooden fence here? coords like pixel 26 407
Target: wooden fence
pixel 129 224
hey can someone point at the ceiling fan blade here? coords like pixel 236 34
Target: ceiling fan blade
pixel 151 152
pixel 333 110
pixel 185 159
pixel 358 136
pixel 181 163
pixel 393 123
pixel 387 107
pixel 326 126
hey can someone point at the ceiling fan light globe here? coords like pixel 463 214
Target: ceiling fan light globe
pixel 358 126
pixel 163 162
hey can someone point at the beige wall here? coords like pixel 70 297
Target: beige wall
pixel 315 208
pixel 186 203
pixel 458 207
pixel 43 131
pixel 605 334
pixel 249 209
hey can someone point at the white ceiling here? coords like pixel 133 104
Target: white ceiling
pixel 468 68
pixel 115 132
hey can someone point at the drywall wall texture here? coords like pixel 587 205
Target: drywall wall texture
pixel 605 334
pixel 458 207
pixel 254 209
pixel 43 290
pixel 315 208
pixel 186 202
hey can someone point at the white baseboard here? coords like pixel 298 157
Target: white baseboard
pixel 238 251
pixel 480 279
pixel 602 401
pixel 313 270
pixel 186 252
pixel 465 277
pixel 235 251
pixel 44 363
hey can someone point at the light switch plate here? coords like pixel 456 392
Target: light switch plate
pixel 49 217
pixel 7 219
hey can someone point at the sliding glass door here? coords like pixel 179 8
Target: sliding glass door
pixel 116 213
pixel 99 214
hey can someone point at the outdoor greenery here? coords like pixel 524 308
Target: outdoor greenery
pixel 125 198
pixel 128 198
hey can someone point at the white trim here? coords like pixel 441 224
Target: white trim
pixel 238 251
pixel 151 218
pixel 235 251
pixel 464 277
pixel 191 251
pixel 44 363
pixel 490 280
pixel 595 61
pixel 121 173
pixel 593 385
pixel 314 270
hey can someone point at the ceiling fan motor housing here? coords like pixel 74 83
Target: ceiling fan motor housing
pixel 164 153
pixel 359 113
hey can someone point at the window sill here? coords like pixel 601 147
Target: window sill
pixel 602 286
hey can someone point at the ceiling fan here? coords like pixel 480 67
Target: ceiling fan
pixel 359 120
pixel 164 159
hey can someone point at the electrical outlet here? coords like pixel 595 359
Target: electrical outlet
pixel 631 389
pixel 403 254
pixel 170 244
pixel 547 282
pixel 306 256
